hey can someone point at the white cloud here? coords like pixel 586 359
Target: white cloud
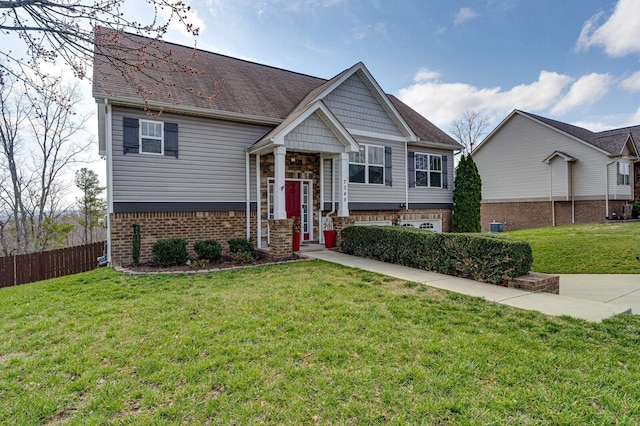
pixel 192 18
pixel 631 83
pixel 587 90
pixel 594 126
pixel 425 74
pixel 634 120
pixel 465 14
pixel 618 35
pixel 443 103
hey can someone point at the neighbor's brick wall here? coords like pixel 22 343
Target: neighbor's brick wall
pixel 516 216
pixel 193 226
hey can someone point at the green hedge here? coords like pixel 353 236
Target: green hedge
pixel 481 257
pixel 170 252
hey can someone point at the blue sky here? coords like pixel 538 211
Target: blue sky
pixel 575 61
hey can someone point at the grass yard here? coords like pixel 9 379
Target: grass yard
pixel 301 343
pixel 595 248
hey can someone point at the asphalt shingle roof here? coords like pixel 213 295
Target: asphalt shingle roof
pixel 249 88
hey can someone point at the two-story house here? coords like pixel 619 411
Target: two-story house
pixel 275 144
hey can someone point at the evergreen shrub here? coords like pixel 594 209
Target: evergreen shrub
pixel 481 257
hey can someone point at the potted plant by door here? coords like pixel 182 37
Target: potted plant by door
pixel 329 233
pixel 296 233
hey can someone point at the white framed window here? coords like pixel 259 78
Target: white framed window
pixel 151 137
pixel 623 173
pixel 428 170
pixel 367 165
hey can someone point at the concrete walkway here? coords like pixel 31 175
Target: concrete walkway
pixel 550 304
pixel 614 289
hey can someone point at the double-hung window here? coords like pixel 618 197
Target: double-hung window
pixel 151 137
pixel 623 173
pixel 428 170
pixel 367 165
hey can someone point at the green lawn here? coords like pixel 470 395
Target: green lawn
pixel 597 248
pixel 301 343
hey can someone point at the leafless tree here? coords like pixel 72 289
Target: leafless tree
pixel 13 113
pixel 470 129
pixel 38 133
pixel 71 30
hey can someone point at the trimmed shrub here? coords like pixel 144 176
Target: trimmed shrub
pixel 481 257
pixel 241 245
pixel 210 250
pixel 135 249
pixel 170 252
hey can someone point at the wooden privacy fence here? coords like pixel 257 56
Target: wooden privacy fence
pixel 27 268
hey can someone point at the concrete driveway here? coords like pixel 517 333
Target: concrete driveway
pixel 615 289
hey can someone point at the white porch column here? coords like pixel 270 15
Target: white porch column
pixel 279 205
pixel 343 209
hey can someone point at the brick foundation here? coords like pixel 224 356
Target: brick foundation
pixel 538 214
pixel 537 282
pixel 193 226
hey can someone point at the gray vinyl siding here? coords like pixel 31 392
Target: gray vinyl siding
pixel 368 193
pixel 210 166
pixel 357 108
pixel 511 164
pixel 433 195
pixel 313 135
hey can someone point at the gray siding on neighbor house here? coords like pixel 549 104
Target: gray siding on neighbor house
pixel 313 135
pixel 210 166
pixel 357 108
pixel 512 169
pixel 421 195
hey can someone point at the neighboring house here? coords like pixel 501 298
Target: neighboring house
pixel 274 144
pixel 540 172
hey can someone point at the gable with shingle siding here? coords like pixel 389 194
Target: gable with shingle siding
pixel 358 109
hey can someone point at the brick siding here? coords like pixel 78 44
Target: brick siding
pixel 193 226
pixel 538 214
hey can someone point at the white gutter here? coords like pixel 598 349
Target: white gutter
pixel 248 192
pixel 109 156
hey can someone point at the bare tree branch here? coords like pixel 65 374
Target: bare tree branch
pixel 470 129
pixel 73 30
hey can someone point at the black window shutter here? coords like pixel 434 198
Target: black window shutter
pixel 445 173
pixel 411 162
pixel 388 179
pixel 130 135
pixel 171 139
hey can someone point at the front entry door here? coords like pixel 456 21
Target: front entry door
pixel 292 198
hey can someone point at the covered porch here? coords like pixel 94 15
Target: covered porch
pixel 300 165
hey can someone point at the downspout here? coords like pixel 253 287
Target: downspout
pixel 109 147
pixel 333 187
pixel 406 177
pixel 259 204
pixel 321 223
pixel 247 179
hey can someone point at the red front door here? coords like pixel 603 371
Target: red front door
pixel 292 198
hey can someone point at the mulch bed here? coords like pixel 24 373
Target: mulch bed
pixel 224 263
